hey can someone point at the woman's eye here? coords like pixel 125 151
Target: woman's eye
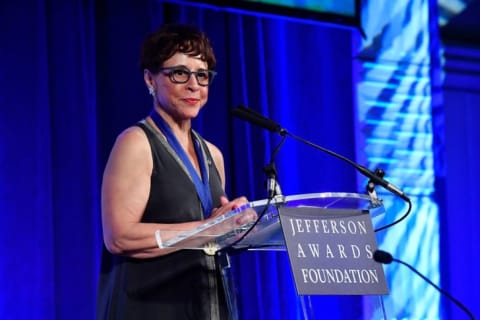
pixel 179 72
pixel 202 74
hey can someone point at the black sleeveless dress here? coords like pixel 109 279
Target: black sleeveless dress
pixel 182 285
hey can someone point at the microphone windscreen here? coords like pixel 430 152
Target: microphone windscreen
pixel 382 256
pixel 255 118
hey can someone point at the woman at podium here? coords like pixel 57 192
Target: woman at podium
pixel 162 175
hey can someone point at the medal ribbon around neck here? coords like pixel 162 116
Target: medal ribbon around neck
pixel 202 185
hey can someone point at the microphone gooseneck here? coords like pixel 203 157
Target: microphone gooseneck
pixel 386 258
pixel 363 170
pixel 376 179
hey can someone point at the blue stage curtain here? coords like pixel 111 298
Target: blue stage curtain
pixel 69 83
pixel 49 186
pixel 457 177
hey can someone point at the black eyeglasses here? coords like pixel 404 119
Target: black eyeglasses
pixel 180 74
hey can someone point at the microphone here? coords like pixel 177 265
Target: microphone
pixel 384 257
pixel 255 118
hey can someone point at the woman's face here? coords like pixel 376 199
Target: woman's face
pixel 182 101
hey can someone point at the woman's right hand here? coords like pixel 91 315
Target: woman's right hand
pixel 243 217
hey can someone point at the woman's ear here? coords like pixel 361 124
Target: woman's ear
pixel 148 78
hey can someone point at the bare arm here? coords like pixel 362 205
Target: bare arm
pixel 125 192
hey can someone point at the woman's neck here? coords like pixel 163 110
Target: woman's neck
pixel 180 128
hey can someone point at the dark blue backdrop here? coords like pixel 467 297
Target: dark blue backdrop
pixel 70 83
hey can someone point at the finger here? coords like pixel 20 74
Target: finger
pixel 246 216
pixel 242 200
pixel 239 202
pixel 223 200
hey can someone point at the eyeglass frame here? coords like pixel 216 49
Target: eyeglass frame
pixel 171 70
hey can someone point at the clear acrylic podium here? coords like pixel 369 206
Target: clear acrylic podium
pixel 227 232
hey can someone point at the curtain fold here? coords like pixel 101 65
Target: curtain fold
pixel 26 235
pixel 458 176
pixel 49 183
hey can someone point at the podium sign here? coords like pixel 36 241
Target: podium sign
pixel 331 251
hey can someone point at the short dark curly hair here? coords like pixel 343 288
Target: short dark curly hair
pixel 162 44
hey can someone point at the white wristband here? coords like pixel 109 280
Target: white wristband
pixel 159 239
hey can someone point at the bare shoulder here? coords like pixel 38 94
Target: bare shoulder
pixel 132 135
pixel 132 139
pixel 131 148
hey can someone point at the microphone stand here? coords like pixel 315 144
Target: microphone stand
pixel 273 188
pixel 270 170
pixel 370 188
